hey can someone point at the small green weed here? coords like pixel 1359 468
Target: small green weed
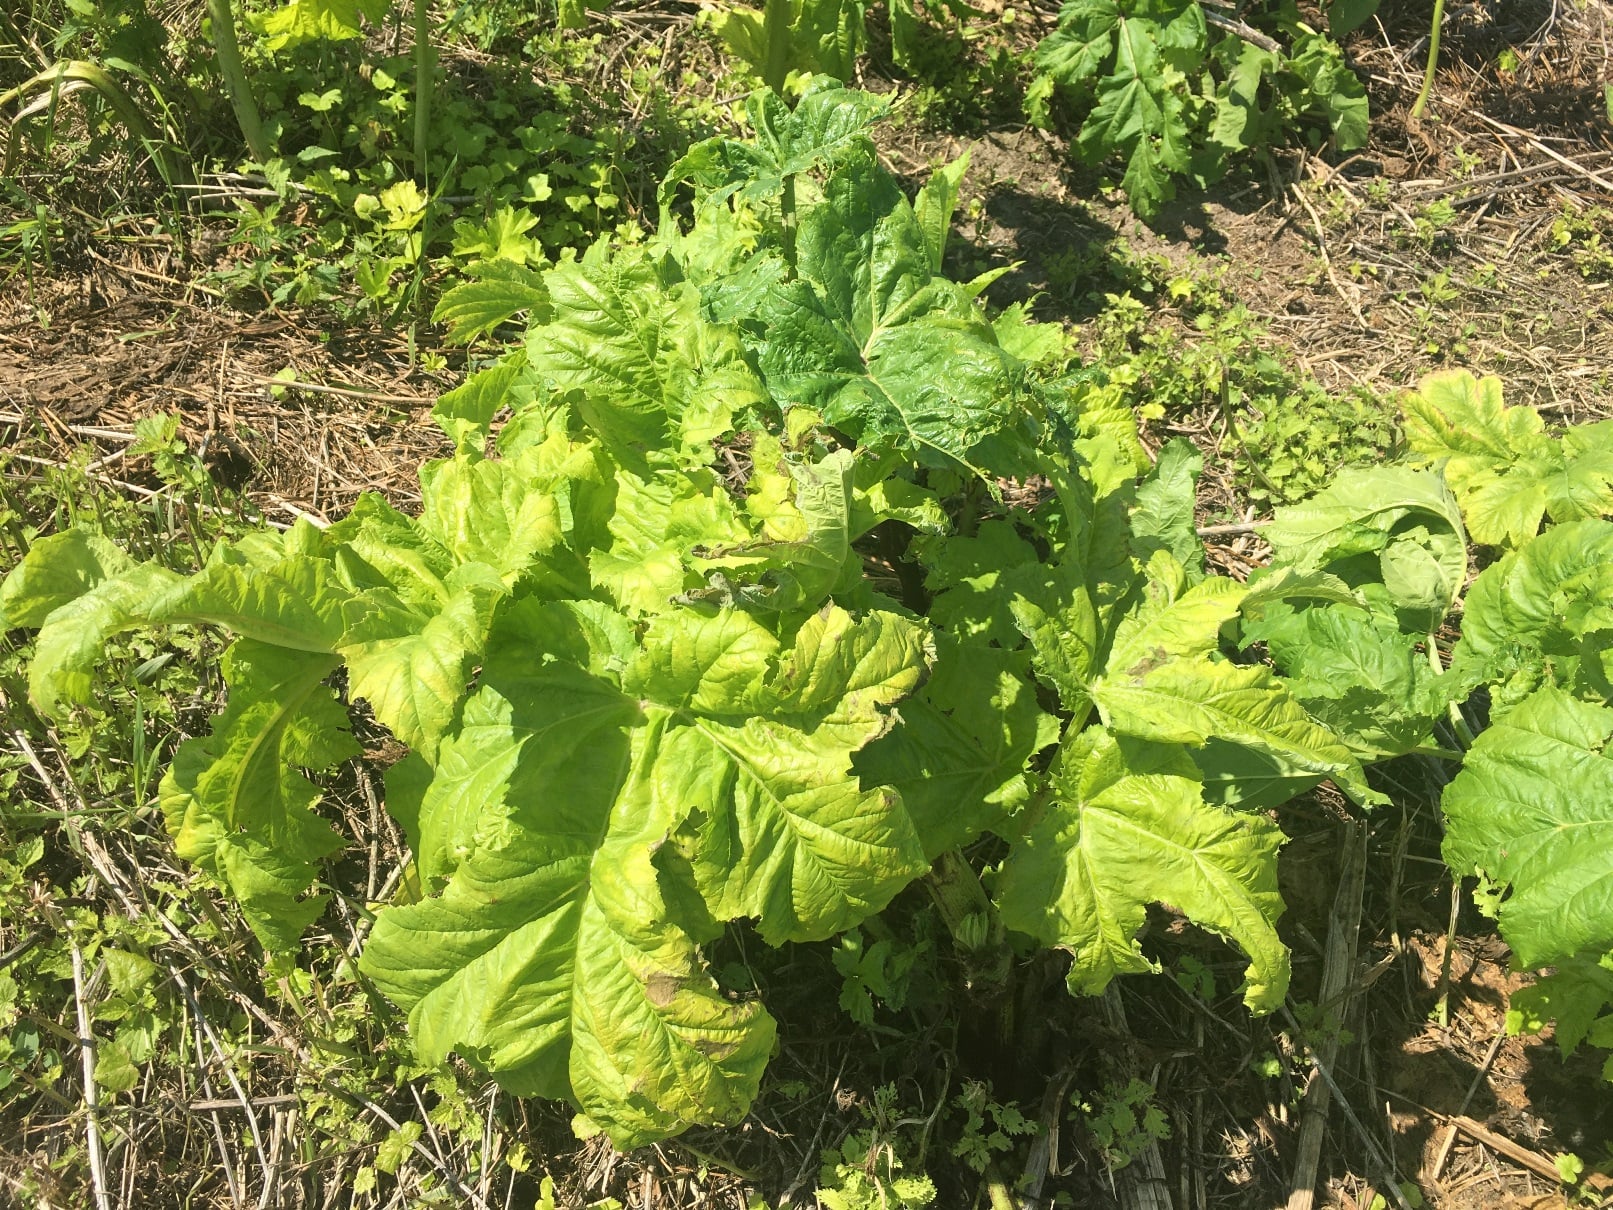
pixel 1123 1122
pixel 1173 341
pixel 869 1170
pixel 874 972
pixel 990 1127
pixel 1586 236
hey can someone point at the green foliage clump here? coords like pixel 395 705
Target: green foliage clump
pixel 869 1169
pixel 1195 349
pixel 722 616
pixel 1123 1121
pixel 528 182
pixel 990 1127
pixel 1507 472
pixel 1586 236
pixel 1535 789
pixel 737 497
pixel 1299 434
pixel 1169 90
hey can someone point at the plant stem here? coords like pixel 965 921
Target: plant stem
pixel 776 33
pixel 423 60
pixel 971 918
pixel 787 222
pixel 997 1192
pixel 1464 733
pixel 1237 435
pixel 236 83
pixel 86 1054
pixel 1433 59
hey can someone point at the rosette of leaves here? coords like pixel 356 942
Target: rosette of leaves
pixel 718 618
pixel 1171 89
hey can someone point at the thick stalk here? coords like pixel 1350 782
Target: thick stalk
pixel 236 83
pixel 1433 59
pixel 776 32
pixel 423 60
pixel 787 222
pixel 1464 733
pixel 967 911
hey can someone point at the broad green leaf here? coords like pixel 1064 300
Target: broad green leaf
pixel 934 204
pixel 1082 45
pixel 1355 672
pixel 1332 88
pixel 548 955
pixel 1400 525
pixel 57 569
pixel 498 291
pixel 968 577
pixel 655 535
pixel 1572 996
pixel 870 339
pixel 548 947
pixel 1139 115
pixel 413 669
pixel 805 545
pixel 466 412
pixel 781 829
pixel 959 756
pixel 1163 517
pixel 1241 121
pixel 1022 337
pixel 652 377
pixel 1532 809
pixel 827 128
pixel 531 514
pixel 377 547
pixel 115 1071
pixel 820 36
pixel 521 743
pixel 893 499
pixel 236 802
pixel 276 590
pixel 1541 615
pixel 1249 778
pixel 1506 471
pixel 1269 585
pixel 1196 700
pixel 1128 826
pixel 1074 610
pixel 1053 608
pixel 299 21
pixel 1172 620
pixel 908 27
pixel 828 120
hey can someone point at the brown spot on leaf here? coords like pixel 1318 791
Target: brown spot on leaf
pixel 661 988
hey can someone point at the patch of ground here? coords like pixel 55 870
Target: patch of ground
pixel 121 346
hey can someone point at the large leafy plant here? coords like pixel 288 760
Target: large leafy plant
pixel 1532 807
pixel 767 573
pixel 1173 89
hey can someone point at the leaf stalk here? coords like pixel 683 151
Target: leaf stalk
pixel 236 83
pixel 1433 59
